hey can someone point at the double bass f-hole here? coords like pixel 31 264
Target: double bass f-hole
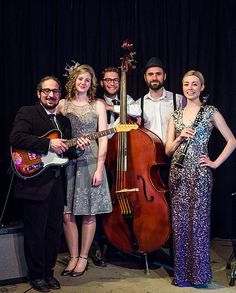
pixel 145 190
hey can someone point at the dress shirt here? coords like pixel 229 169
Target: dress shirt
pixel 156 113
pixel 54 121
pixel 111 116
pixel 133 109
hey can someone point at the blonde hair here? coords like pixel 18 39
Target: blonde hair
pixel 73 73
pixel 196 73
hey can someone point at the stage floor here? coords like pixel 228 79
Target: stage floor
pixel 125 273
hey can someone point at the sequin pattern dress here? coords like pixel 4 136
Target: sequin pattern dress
pixel 82 197
pixel 190 191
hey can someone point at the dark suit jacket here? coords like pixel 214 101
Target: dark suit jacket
pixel 31 123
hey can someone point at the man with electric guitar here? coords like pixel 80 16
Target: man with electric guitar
pixel 38 139
pixel 40 185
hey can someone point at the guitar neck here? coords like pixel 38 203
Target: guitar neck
pixel 91 136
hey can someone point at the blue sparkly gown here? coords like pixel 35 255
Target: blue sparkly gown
pixel 190 192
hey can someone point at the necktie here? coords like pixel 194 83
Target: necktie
pixel 111 116
pixel 115 102
pixel 115 115
pixel 52 118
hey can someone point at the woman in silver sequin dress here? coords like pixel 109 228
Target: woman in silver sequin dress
pixel 87 187
pixel 191 186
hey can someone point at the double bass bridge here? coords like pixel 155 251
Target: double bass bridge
pixel 124 202
pixel 127 190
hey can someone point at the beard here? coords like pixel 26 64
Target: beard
pixel 49 106
pixel 155 85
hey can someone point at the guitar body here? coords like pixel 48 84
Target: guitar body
pixel 27 164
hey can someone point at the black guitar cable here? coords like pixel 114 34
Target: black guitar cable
pixel 7 197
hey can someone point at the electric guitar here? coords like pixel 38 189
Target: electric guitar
pixel 27 164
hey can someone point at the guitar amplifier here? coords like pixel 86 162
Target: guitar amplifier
pixel 13 268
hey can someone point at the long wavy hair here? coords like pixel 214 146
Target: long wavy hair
pixel 71 79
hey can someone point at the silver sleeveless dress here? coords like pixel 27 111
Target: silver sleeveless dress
pixel 82 197
pixel 190 192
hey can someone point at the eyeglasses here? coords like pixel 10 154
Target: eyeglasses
pixel 110 80
pixel 48 91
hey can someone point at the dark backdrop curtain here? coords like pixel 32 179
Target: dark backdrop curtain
pixel 39 37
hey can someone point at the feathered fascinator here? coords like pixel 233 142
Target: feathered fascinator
pixel 70 68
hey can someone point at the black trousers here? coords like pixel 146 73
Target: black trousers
pixel 43 226
pixel 165 178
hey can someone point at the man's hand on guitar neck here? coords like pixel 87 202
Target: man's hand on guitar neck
pixel 82 143
pixel 58 146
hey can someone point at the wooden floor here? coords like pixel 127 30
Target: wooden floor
pixel 125 273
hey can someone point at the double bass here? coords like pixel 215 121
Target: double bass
pixel 140 220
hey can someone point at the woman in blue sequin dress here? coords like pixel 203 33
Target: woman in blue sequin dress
pixel 191 186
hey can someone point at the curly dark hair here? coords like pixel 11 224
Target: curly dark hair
pixel 48 77
pixel 110 69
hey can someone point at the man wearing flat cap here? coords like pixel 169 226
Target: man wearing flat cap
pixel 158 104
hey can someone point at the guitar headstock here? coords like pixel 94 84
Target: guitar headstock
pixel 128 62
pixel 126 127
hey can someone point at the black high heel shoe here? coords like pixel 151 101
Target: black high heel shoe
pixel 68 272
pixel 77 274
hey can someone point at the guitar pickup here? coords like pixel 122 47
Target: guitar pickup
pixel 35 166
